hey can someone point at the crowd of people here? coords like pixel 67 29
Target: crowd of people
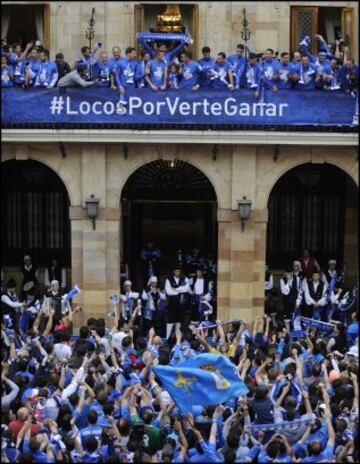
pixel 94 396
pixel 160 67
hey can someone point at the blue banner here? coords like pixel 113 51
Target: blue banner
pixel 279 426
pixel 180 107
pixel 205 379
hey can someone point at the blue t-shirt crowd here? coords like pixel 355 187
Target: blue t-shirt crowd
pixel 93 397
pixel 162 68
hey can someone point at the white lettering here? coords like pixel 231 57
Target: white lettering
pixel 184 108
pixel 68 110
pixel 281 106
pixel 134 103
pixel 230 110
pixel 195 105
pixel 206 107
pixel 172 108
pixel 148 108
pixel 271 109
pixel 158 106
pixel 84 107
pixel 95 105
pixel 244 109
pixel 111 107
pixel 256 105
pixel 216 109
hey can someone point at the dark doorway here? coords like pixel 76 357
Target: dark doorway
pixel 174 204
pixel 307 209
pixel 35 214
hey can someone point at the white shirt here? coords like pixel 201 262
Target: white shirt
pixel 117 340
pixel 13 304
pixel 176 291
pixel 269 284
pixel 61 350
pixel 309 300
pixel 286 287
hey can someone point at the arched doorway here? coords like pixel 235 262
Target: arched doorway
pixel 35 214
pixel 314 206
pixel 175 204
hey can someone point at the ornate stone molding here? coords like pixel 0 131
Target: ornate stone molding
pixel 177 136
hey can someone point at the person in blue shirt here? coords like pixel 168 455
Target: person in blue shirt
pixel 285 72
pixel 7 73
pixel 317 451
pixel 319 61
pixel 270 70
pixel 125 75
pixel 190 71
pixel 237 60
pixel 88 59
pixel 93 429
pixel 296 57
pixel 349 76
pixel 221 73
pixel 168 55
pixel 140 70
pixel 47 74
pixel 173 78
pixel 102 71
pixel 305 75
pixel 206 62
pixel 331 75
pixel 32 66
pixel 18 61
pixel 113 63
pixel 156 72
pixel 251 71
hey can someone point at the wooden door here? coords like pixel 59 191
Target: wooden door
pixel 138 24
pixel 304 21
pixel 195 31
pixel 347 27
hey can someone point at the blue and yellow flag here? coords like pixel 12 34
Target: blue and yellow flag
pixel 205 379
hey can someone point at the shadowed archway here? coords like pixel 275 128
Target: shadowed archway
pixel 175 204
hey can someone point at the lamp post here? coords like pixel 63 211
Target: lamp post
pixel 245 32
pixel 244 206
pixel 90 33
pixel 92 208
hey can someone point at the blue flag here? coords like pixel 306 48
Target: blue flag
pixel 205 379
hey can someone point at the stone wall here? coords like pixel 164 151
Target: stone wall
pixel 102 170
pixel 219 24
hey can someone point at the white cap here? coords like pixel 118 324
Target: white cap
pixel 332 261
pixel 53 282
pixel 127 283
pixel 353 351
pixel 27 257
pixel 153 280
pixel 297 262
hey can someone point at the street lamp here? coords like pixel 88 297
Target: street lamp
pixel 92 208
pixel 90 33
pixel 245 32
pixel 244 206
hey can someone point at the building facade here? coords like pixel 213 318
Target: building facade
pixel 211 170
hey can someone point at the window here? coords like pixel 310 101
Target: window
pixel 330 22
pixel 35 214
pixel 306 209
pixel 23 23
pixel 146 20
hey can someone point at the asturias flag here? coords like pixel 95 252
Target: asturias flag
pixel 205 379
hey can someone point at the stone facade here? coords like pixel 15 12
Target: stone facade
pixel 219 23
pixel 250 170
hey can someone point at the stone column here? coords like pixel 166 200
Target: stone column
pixel 351 248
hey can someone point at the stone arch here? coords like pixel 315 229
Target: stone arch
pixel 36 193
pixel 273 175
pixel 139 165
pixel 59 170
pixel 324 202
